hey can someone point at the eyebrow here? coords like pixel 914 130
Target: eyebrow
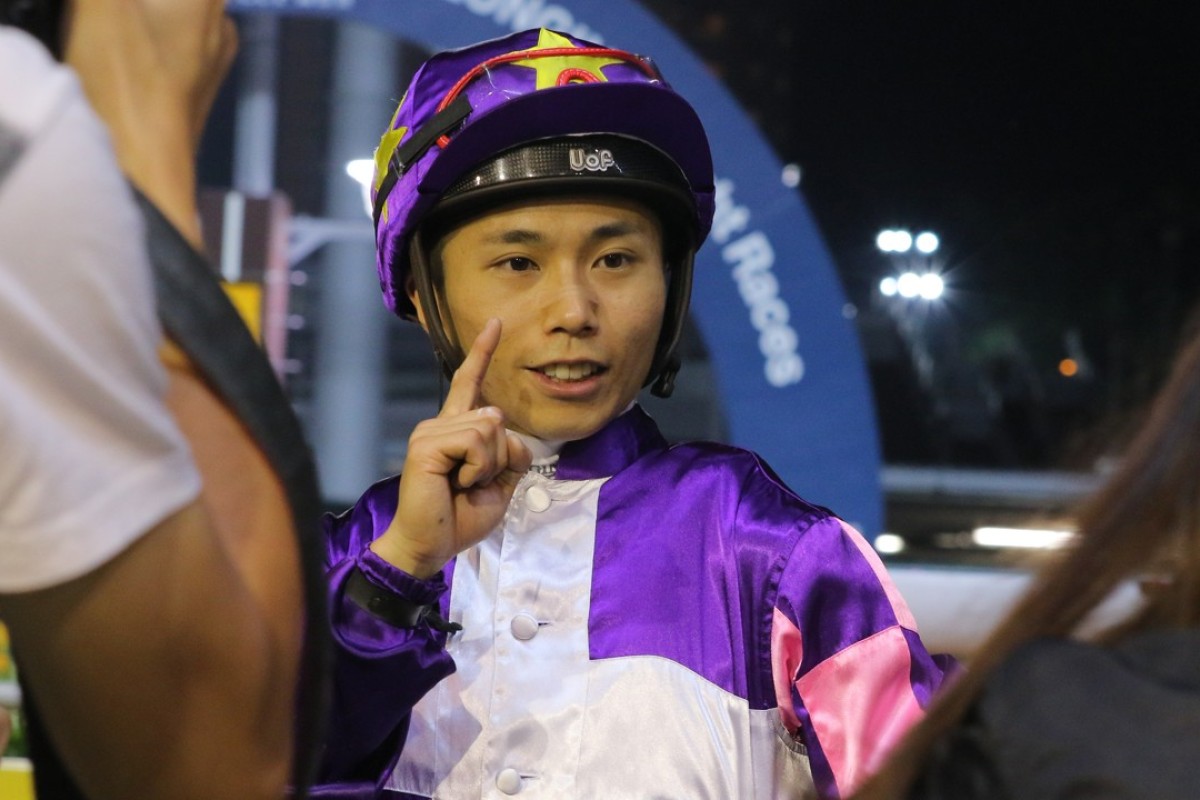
pixel 515 236
pixel 611 230
pixel 614 230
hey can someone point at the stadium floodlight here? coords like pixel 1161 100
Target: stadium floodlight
pixel 894 241
pixel 927 242
pixel 931 286
pixel 362 170
pixel 890 543
pixel 1026 538
pixel 908 285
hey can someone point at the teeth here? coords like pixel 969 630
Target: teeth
pixel 570 372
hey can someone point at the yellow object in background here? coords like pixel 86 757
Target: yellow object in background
pixel 247 298
pixel 7 672
pixel 16 779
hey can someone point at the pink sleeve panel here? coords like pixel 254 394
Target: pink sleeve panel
pixel 787 653
pixel 860 703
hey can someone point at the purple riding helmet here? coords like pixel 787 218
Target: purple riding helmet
pixel 537 113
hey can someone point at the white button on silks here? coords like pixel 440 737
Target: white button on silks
pixel 524 627
pixel 537 499
pixel 509 781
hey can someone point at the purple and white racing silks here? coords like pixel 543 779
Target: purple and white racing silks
pixel 649 621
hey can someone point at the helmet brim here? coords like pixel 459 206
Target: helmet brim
pixel 655 115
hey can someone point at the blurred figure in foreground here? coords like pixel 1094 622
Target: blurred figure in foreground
pixel 1041 714
pixel 150 574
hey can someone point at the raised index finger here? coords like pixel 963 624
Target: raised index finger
pixel 466 384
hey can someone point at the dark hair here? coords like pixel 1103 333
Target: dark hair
pixel 42 18
pixel 1144 524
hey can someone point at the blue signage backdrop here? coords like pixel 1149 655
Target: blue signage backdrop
pixel 791 378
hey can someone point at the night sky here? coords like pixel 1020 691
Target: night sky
pixel 1052 145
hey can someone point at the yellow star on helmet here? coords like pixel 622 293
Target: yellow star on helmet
pixel 548 68
pixel 383 154
pixel 388 144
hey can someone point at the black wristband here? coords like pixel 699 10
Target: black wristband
pixel 391 607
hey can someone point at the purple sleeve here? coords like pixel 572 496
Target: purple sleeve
pixel 850 671
pixel 379 671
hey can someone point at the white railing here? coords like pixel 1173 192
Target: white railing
pixel 956 607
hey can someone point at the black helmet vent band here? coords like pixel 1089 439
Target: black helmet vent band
pixel 412 149
pixel 583 157
pixel 606 164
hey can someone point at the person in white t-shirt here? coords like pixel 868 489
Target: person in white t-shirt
pixel 86 439
pixel 154 605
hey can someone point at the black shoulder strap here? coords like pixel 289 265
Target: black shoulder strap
pixel 198 317
pixel 202 321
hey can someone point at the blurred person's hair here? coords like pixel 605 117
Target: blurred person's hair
pixel 1142 526
pixel 42 18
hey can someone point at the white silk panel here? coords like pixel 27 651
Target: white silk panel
pixel 528 715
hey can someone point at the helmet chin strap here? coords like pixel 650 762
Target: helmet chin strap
pixel 679 298
pixel 664 384
pixel 449 353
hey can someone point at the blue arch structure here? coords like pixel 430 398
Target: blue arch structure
pixel 791 377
